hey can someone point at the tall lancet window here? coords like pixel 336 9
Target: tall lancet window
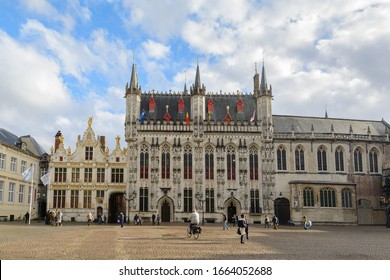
pixel 253 164
pixel 187 162
pixel 339 159
pixel 209 163
pixel 144 162
pixel 321 159
pixel 299 159
pixel 282 158
pixel 373 161
pixel 165 162
pixel 358 160
pixel 231 163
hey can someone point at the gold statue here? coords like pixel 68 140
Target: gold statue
pixel 106 151
pixel 69 152
pixel 117 140
pixel 90 122
pixel 61 139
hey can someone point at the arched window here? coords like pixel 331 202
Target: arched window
pixel 346 198
pixel 209 163
pixel 373 161
pixel 144 162
pixel 187 162
pixel 299 159
pixel 321 159
pixel 308 197
pixel 281 156
pixel 358 160
pixel 339 159
pixel 328 197
pixel 253 164
pixel 231 163
pixel 165 162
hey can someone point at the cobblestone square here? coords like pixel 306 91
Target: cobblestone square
pixel 78 241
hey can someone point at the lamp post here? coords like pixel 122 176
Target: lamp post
pixel 130 198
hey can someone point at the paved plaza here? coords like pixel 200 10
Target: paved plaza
pixel 168 241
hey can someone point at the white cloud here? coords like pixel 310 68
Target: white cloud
pixel 159 19
pixel 317 55
pixel 29 79
pixel 155 50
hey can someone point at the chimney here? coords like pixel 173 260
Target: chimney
pixel 57 140
pixel 102 142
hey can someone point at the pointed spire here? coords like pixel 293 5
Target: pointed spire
pixel 263 83
pixel 197 77
pixel 197 88
pixel 185 82
pixel 134 78
pixel 326 114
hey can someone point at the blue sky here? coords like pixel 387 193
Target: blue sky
pixel 63 61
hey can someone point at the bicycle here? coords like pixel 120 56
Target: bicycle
pixel 197 230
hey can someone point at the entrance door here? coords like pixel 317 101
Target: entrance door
pixel 117 204
pixel 165 212
pixel 232 211
pixel 282 210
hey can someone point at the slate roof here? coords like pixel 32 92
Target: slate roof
pixel 284 124
pixel 221 101
pixel 14 141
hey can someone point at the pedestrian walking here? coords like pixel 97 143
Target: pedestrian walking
pixel 121 219
pixel 47 217
pixel 266 222
pixel 246 228
pixel 154 219
pixel 241 228
pixel 306 223
pixel 225 222
pixel 89 218
pixel 158 219
pixel 275 221
pixel 27 217
pixel 59 218
pixel 137 219
pixel 53 216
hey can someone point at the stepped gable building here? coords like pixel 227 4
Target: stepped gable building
pixel 90 179
pixel 17 154
pixel 227 153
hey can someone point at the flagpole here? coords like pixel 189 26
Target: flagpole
pixel 31 193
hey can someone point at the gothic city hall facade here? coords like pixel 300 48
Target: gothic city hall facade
pixel 223 154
